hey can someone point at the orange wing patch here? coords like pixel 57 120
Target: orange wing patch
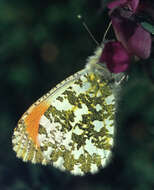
pixel 32 120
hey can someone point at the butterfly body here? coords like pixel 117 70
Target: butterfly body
pixel 72 126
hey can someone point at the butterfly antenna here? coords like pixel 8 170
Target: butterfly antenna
pixel 87 29
pixel 105 34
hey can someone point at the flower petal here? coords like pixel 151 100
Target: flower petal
pixel 140 43
pixel 116 57
pixel 116 4
pixel 134 38
pixel 131 4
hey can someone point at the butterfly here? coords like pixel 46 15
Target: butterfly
pixel 72 126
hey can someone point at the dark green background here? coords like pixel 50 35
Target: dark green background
pixel 41 43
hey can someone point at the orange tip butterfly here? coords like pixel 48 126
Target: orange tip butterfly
pixel 72 126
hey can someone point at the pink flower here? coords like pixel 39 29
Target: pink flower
pixel 116 57
pixel 133 39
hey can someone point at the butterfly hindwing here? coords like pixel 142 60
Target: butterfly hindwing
pixel 72 126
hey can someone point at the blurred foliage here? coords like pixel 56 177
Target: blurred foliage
pixel 148 27
pixel 43 42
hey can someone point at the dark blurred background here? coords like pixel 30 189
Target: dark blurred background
pixel 43 42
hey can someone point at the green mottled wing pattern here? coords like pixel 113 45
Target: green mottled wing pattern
pixel 76 132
